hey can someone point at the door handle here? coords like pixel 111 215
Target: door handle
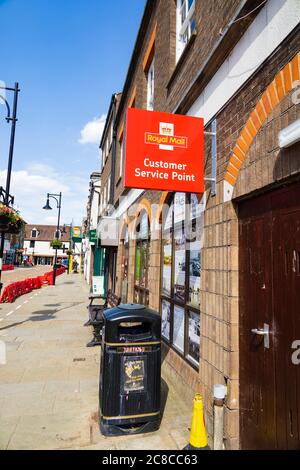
pixel 256 331
pixel 263 332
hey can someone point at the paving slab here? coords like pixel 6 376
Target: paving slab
pixel 49 385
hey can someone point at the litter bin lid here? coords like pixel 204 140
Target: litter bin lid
pixel 132 306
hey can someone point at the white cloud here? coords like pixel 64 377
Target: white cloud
pixel 92 131
pixel 30 188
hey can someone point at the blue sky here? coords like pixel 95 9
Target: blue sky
pixel 69 57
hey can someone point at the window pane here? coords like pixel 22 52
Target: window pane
pixel 179 265
pixel 184 36
pixel 194 336
pixel 196 207
pixel 190 3
pixel 178 328
pixel 137 265
pixel 183 12
pixel 168 217
pixel 179 207
pixel 194 274
pixel 165 319
pixel 144 226
pixel 193 24
pixel 150 87
pixel 143 263
pixel 167 266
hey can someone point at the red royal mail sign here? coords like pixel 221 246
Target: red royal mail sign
pixel 164 151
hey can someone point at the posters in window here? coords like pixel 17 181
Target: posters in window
pixel 194 274
pixel 195 207
pixel 194 336
pixel 168 217
pixel 178 328
pixel 179 265
pixel 143 234
pixel 165 319
pixel 179 207
pixel 167 266
pixel 137 264
pixel 144 263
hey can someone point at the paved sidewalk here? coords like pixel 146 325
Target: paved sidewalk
pixel 49 384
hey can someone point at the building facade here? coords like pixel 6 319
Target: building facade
pixel 37 240
pixel 91 252
pixel 223 267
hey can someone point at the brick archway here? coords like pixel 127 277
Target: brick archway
pixel 275 92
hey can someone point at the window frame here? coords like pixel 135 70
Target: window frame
pixel 141 293
pixel 121 143
pixel 171 299
pixel 124 264
pixel 150 86
pixel 185 27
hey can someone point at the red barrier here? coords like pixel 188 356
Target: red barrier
pixel 16 289
pixel 8 267
pixel 49 277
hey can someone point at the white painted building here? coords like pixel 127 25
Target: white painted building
pixel 36 246
pixel 91 226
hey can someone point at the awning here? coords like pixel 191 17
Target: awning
pixel 108 231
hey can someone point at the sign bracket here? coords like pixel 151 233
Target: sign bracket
pixel 213 178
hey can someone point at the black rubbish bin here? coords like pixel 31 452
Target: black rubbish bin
pixel 129 392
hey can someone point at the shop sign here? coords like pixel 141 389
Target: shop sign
pixel 76 234
pixel 93 236
pixel 98 285
pixel 76 231
pixel 164 151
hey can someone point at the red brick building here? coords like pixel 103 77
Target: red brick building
pixel 236 64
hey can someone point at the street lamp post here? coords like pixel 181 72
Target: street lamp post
pixel 47 207
pixel 4 193
pixel 70 242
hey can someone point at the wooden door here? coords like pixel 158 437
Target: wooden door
pixel 269 240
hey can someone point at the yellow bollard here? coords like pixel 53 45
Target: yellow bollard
pixel 198 438
pixel 70 264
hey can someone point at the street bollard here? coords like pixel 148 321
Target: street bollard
pixel 198 437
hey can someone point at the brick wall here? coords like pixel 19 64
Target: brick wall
pixel 264 165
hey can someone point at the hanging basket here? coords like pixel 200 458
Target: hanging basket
pixel 13 229
pixel 4 223
pixel 56 244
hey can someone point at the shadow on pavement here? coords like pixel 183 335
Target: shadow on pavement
pixel 40 315
pixel 164 391
pixel 44 312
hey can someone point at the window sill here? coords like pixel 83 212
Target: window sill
pixel 182 58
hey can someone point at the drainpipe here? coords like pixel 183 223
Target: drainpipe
pixel 219 399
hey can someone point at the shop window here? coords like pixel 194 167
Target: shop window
pixel 124 265
pixel 185 24
pixel 150 87
pixel 182 233
pixel 121 143
pixel 141 292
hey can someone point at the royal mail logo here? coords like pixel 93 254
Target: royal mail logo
pixel 165 139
